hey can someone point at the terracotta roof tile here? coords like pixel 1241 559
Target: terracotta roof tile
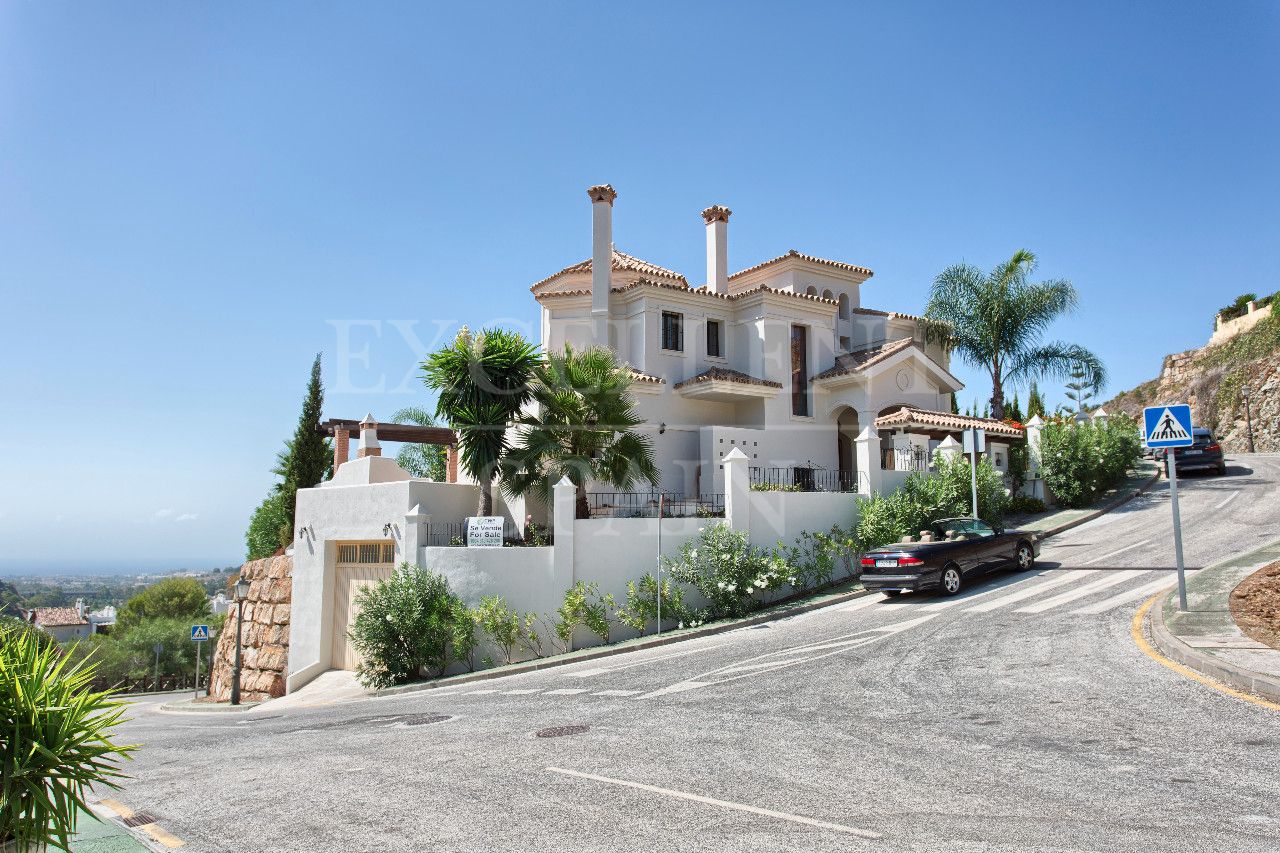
pixel 840 265
pixel 724 374
pixel 908 415
pixel 854 362
pixel 701 291
pixel 622 262
pixel 647 378
pixel 58 617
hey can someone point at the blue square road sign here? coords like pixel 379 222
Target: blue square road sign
pixel 200 633
pixel 1167 426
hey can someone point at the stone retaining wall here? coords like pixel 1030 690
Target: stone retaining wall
pixel 264 654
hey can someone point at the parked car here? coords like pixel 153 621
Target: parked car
pixel 952 553
pixel 1204 455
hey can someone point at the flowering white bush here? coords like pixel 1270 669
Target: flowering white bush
pixel 728 571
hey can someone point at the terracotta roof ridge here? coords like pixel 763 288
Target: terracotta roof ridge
pixel 622 262
pixel 813 259
pixel 727 374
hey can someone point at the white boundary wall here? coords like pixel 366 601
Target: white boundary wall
pixel 607 551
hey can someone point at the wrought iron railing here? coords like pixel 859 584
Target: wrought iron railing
pixel 454 534
pixel 905 459
pixel 803 479
pixel 645 505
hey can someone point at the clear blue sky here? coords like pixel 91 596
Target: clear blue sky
pixel 194 198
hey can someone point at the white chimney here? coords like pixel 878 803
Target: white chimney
pixel 368 438
pixel 602 197
pixel 80 607
pixel 717 219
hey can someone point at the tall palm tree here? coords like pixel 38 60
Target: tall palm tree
pixel 583 428
pixel 483 383
pixel 420 460
pixel 996 320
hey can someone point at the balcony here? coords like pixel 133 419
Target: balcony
pixel 728 386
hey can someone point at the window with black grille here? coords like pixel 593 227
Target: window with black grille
pixel 673 331
pixel 714 347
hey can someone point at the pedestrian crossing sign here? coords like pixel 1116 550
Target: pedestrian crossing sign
pixel 200 633
pixel 1167 426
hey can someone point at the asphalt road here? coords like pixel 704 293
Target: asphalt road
pixel 1018 716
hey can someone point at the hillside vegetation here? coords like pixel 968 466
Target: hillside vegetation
pixel 1211 379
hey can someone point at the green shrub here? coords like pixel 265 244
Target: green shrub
pixel 500 623
pixel 1080 461
pixel 270 526
pixel 728 571
pixel 57 742
pixel 462 636
pixel 815 556
pixel 642 604
pixel 583 605
pixel 1025 505
pixel 926 497
pixel 404 625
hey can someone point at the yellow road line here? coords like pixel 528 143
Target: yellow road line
pixel 163 836
pixel 118 807
pixel 1145 647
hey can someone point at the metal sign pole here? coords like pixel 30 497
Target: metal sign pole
pixel 661 496
pixel 199 645
pixel 1170 460
pixel 973 467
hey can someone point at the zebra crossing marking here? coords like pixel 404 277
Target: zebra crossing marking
pixel 1082 591
pixel 1028 592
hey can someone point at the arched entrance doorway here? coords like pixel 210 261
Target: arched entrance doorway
pixel 847 429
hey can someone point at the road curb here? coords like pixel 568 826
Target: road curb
pixel 1115 503
pixel 1241 678
pixel 677 636
pixel 189 706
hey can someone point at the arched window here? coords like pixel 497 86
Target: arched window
pixel 844 306
pixel 826 294
pixel 811 291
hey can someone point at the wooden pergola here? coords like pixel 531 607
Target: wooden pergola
pixel 341 430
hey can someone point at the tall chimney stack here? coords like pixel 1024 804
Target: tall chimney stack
pixel 602 197
pixel 717 219
pixel 368 438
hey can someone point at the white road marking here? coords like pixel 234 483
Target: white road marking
pixel 1166 580
pixel 477 692
pixel 836 645
pixel 726 804
pixel 1110 580
pixel 865 602
pixel 1228 499
pixel 970 595
pixel 1021 593
pixel 520 692
pixel 615 693
pixel 1113 553
pixel 601 670
pixel 565 691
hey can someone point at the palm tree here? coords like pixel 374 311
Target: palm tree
pixel 483 383
pixel 420 460
pixel 995 321
pixel 583 428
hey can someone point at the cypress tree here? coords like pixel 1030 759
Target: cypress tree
pixel 309 455
pixel 1035 403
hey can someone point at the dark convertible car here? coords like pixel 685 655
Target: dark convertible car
pixel 947 557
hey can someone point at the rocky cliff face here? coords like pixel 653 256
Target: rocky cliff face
pixel 1210 380
pixel 264 653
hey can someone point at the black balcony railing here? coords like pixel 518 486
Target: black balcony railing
pixel 803 479
pixel 904 459
pixel 645 505
pixel 455 534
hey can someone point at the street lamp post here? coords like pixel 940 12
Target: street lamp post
pixel 1248 420
pixel 242 593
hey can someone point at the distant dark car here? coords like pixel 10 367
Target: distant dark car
pixel 957 550
pixel 1204 455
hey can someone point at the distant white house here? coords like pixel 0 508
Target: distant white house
pixel 63 623
pixel 101 621
pixel 219 604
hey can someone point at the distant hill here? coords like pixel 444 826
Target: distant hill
pixel 1210 379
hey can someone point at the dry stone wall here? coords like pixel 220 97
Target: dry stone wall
pixel 264 654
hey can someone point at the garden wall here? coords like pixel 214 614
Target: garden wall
pixel 785 515
pixel 264 654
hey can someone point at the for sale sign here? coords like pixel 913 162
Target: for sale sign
pixel 484 531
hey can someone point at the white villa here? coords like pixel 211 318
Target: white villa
pixel 772 376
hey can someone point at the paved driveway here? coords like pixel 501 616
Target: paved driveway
pixel 1017 716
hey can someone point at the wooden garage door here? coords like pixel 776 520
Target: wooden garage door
pixel 360 564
